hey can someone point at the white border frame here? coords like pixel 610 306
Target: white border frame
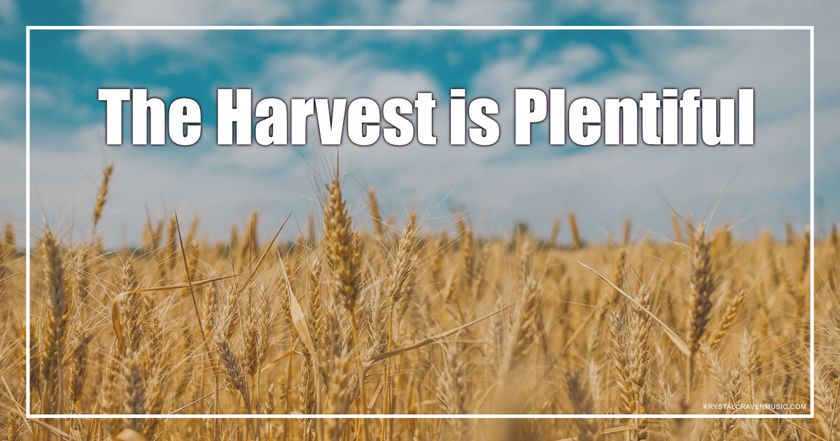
pixel 810 29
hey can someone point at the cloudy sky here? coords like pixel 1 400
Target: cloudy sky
pixel 756 187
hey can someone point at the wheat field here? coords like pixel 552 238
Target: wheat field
pixel 377 314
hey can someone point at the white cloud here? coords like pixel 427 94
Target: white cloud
pixel 12 163
pixel 183 12
pixel 499 77
pixel 8 11
pixel 104 47
pixel 65 179
pixel 11 98
pixel 610 183
pixel 12 183
pixel 462 12
pixel 822 15
pixel 224 184
pixel 329 76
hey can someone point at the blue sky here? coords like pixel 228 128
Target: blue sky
pixel 765 185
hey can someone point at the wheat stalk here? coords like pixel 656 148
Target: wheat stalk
pixel 577 242
pixel 102 195
pixel 57 327
pixel 702 283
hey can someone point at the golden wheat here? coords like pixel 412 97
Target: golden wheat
pixel 401 319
